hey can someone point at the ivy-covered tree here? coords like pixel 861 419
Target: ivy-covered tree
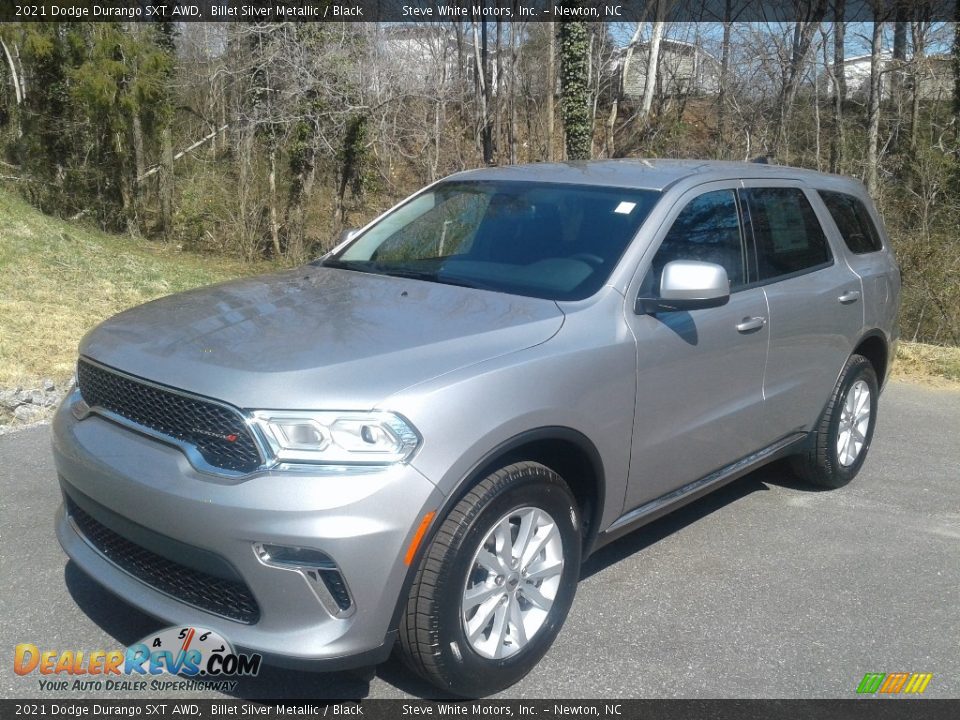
pixel 575 90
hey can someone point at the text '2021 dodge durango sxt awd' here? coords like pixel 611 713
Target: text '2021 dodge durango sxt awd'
pixel 416 439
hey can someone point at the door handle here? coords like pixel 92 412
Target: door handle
pixel 849 297
pixel 749 324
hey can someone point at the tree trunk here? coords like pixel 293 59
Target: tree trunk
pixel 139 165
pixel 487 95
pixel 574 89
pixel 802 40
pixel 514 52
pixel 301 191
pixel 839 78
pixel 13 72
pixel 955 58
pixel 816 119
pixel 480 61
pixel 15 79
pixel 166 182
pixel 918 31
pixel 653 61
pixel 899 53
pixel 724 80
pixel 621 86
pixel 272 181
pixel 498 86
pixel 552 84
pixel 873 112
pixel 897 75
pixel 126 186
pixel 593 90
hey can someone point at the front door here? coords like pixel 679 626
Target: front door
pixel 699 403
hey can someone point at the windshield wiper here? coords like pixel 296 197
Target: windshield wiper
pixel 357 265
pixel 404 272
pixel 437 277
pixel 466 282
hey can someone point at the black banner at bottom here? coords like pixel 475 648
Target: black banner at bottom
pixel 855 709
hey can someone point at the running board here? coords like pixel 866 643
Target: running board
pixel 673 499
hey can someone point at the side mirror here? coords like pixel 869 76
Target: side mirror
pixel 687 285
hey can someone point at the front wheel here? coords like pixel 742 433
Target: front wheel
pixel 839 444
pixel 496 582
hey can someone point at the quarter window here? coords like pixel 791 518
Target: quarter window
pixel 708 230
pixel 854 222
pixel 786 231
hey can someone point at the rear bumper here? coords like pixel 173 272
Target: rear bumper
pixel 148 494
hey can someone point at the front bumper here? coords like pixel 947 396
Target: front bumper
pixel 363 519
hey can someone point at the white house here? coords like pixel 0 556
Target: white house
pixel 683 69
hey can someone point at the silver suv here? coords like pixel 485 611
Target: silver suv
pixel 420 436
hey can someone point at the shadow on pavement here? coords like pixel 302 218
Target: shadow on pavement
pixel 777 473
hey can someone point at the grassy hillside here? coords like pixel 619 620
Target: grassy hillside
pixel 58 279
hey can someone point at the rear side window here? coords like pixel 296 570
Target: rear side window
pixel 708 230
pixel 854 222
pixel 788 235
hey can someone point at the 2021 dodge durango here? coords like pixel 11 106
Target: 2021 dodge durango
pixel 416 439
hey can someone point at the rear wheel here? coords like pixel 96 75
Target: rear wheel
pixel 496 582
pixel 838 445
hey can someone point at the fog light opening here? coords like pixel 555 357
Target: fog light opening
pixel 318 569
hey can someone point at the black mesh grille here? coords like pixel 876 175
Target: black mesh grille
pixel 219 433
pixel 227 598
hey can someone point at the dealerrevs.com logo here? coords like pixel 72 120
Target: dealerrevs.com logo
pixel 203 658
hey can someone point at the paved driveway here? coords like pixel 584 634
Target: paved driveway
pixel 764 589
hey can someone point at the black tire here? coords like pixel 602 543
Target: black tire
pixel 820 463
pixel 433 642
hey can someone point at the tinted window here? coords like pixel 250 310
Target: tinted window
pixel 556 241
pixel 708 230
pixel 854 222
pixel 788 235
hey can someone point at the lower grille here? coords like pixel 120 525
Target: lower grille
pixel 226 598
pixel 218 432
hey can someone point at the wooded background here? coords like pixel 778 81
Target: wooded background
pixel 267 140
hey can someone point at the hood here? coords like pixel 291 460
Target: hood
pixel 316 338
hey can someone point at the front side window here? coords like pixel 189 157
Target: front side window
pixel 786 231
pixel 854 222
pixel 708 230
pixel 547 240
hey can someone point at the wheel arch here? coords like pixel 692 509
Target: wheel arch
pixel 566 451
pixel 875 348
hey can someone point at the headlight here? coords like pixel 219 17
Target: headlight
pixel 337 438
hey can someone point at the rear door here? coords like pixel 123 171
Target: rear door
pixel 814 299
pixel 868 254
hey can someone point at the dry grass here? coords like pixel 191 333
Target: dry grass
pixel 928 363
pixel 58 279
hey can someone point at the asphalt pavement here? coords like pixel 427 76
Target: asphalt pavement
pixel 766 588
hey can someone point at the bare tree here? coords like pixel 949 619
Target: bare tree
pixel 624 71
pixel 653 60
pixel 551 86
pixel 838 77
pixel 812 12
pixel 873 108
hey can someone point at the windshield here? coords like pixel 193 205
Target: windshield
pixel 553 241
